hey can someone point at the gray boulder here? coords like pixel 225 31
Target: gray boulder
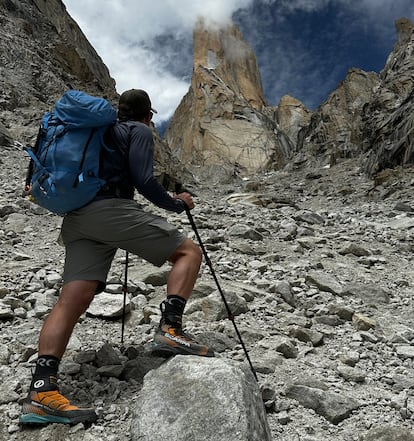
pixel 203 399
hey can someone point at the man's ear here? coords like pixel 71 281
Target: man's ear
pixel 147 120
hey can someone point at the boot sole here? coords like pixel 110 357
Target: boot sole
pixel 169 351
pixel 32 418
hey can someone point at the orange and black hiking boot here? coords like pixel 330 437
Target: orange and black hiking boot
pixel 172 340
pixel 50 406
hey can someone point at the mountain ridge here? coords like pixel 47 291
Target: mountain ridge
pixel 232 130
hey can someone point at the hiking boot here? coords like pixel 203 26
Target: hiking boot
pixel 170 340
pixel 52 407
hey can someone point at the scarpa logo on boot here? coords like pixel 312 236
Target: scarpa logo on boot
pixel 178 340
pixel 38 384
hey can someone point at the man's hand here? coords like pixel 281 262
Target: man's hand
pixel 186 197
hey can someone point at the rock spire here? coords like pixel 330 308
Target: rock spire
pixel 227 128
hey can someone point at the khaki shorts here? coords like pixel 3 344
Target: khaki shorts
pixel 93 233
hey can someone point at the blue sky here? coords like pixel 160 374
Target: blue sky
pixel 303 47
pixel 307 50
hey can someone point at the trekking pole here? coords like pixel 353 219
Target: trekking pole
pixel 125 291
pixel 230 316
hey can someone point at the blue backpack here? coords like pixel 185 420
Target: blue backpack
pixel 63 173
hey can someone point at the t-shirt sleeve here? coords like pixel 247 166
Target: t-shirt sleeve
pixel 141 165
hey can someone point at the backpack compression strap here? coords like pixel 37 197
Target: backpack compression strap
pixel 30 167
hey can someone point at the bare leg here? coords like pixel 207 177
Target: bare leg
pixel 73 301
pixel 186 262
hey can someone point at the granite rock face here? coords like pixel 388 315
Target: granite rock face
pixel 232 130
pixel 43 51
pixel 388 118
pixel 291 116
pixel 334 130
pixel 228 128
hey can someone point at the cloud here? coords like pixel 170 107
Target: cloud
pixel 136 39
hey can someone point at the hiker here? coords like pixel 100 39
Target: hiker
pixel 91 236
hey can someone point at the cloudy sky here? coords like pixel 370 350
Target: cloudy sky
pixel 304 47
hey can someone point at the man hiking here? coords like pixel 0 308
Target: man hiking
pixel 92 235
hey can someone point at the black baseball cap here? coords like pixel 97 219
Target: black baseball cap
pixel 135 103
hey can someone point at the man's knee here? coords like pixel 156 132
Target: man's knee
pixel 79 293
pixel 188 249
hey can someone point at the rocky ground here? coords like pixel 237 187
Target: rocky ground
pixel 317 266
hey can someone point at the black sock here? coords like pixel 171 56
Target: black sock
pixel 172 309
pixel 45 373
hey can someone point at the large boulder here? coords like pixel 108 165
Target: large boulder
pixel 200 399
